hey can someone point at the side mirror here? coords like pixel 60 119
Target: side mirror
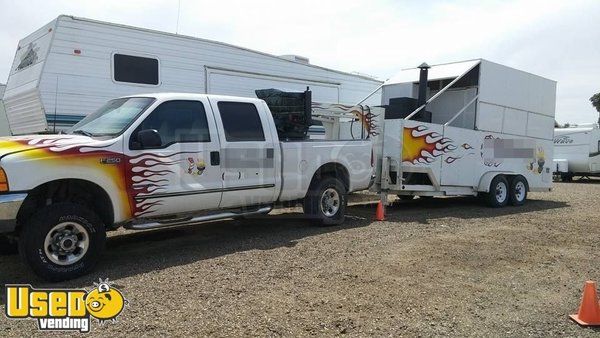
pixel 149 138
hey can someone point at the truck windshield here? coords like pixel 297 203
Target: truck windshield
pixel 112 118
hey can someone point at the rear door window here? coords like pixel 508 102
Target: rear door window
pixel 241 121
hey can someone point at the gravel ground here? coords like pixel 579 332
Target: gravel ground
pixel 434 267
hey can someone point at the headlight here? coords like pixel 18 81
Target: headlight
pixel 3 181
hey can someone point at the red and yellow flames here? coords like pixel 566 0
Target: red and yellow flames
pixel 420 145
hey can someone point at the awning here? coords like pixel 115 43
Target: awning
pixel 436 72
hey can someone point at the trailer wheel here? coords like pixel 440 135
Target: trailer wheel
pixel 518 190
pixel 62 241
pixel 499 192
pixel 326 201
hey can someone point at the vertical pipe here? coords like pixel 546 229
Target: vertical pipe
pixel 424 67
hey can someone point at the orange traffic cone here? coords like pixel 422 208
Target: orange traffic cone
pixel 589 310
pixel 380 213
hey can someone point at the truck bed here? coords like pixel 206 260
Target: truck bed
pixel 302 157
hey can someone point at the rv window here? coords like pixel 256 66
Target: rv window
pixel 241 122
pixel 135 69
pixel 177 122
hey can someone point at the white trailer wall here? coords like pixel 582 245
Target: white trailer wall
pixel 76 77
pixel 4 130
pixel 515 102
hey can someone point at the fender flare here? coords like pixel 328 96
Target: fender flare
pixel 486 179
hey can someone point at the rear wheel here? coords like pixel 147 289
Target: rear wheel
pixel 326 201
pixel 518 190
pixel 499 192
pixel 62 241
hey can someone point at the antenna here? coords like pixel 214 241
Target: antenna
pixel 178 11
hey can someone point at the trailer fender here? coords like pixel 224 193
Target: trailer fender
pixel 486 180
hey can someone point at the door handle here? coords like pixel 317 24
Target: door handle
pixel 215 158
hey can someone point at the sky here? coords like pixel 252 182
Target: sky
pixel 559 40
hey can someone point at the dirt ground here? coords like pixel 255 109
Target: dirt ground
pixel 434 267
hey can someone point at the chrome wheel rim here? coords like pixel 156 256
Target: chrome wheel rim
pixel 520 191
pixel 501 192
pixel 66 243
pixel 330 202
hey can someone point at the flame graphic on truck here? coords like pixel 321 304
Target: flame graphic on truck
pixel 137 177
pixel 420 145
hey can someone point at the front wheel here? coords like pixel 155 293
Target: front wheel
pixel 62 241
pixel 499 192
pixel 8 246
pixel 326 201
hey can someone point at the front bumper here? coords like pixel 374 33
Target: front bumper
pixel 9 207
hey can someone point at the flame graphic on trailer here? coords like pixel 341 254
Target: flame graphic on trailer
pixel 420 145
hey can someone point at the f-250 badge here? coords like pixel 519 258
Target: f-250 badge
pixel 110 160
pixel 196 167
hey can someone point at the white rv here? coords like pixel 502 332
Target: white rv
pixel 466 128
pixel 71 66
pixel 577 151
pixel 4 131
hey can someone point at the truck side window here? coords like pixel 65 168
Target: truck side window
pixel 177 121
pixel 241 121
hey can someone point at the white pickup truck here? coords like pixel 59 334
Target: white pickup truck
pixel 157 160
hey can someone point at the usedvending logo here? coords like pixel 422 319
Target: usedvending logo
pixel 64 309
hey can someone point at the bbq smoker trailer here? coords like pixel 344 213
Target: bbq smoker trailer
pixel 577 152
pixel 69 67
pixel 466 128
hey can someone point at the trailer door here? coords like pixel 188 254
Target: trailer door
pixel 460 166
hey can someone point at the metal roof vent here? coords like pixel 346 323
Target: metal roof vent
pixel 296 58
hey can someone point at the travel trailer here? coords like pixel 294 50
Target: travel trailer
pixel 577 152
pixel 4 131
pixel 466 128
pixel 68 68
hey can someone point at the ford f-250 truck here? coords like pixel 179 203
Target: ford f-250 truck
pixel 157 160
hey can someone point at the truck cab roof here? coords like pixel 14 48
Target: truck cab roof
pixel 188 96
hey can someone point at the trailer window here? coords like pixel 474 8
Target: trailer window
pixel 241 122
pixel 135 69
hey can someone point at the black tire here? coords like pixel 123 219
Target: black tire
pixel 314 205
pixel 518 190
pixel 406 197
pixel 81 221
pixel 499 192
pixel 8 246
